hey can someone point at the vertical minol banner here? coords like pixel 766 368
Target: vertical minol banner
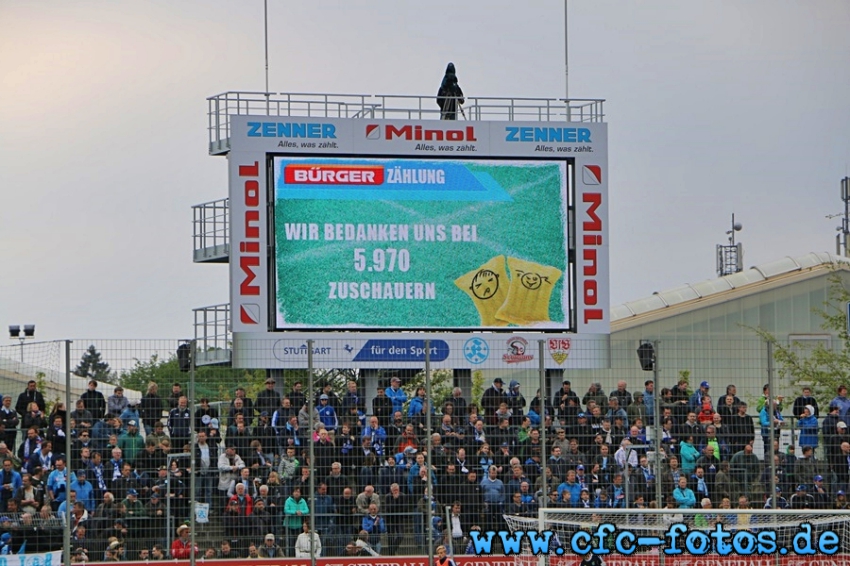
pixel 420 243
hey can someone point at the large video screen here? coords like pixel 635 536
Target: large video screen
pixel 420 243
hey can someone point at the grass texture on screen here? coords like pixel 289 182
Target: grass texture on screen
pixel 531 228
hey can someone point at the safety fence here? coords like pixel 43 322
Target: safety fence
pixel 390 445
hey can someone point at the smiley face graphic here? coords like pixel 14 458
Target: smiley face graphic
pixel 530 280
pixel 485 284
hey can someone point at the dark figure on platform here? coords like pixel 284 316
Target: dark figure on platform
pixel 450 96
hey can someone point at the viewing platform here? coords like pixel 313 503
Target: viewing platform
pixel 387 107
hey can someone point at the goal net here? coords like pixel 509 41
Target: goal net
pixel 36 361
pixel 642 537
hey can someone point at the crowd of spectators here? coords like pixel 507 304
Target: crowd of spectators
pixel 371 470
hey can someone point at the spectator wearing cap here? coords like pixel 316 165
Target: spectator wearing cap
pixel 776 502
pixel 695 402
pixel 131 442
pixel 516 402
pixel 85 491
pixel 181 548
pixel 134 507
pixel 326 413
pixel 117 402
pixel 396 394
pixel 801 499
pixel 131 413
pixel 268 399
pixel 820 493
pixel 492 398
pixel 204 414
pixel 155 509
pixel 333 399
pixel 269 549
pixel 841 501
pixel 622 394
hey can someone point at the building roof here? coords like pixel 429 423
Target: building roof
pixel 686 297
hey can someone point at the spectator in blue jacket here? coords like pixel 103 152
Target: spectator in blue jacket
pixel 808 424
pixel 327 415
pixel 684 496
pixel 769 418
pixel 375 525
pixel 397 395
pixel 85 491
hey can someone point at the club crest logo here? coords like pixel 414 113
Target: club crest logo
pixel 559 349
pixel 517 351
pixel 476 351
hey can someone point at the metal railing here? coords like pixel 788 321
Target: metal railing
pixel 364 106
pixel 211 231
pixel 212 332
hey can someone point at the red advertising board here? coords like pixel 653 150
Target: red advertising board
pixel 567 560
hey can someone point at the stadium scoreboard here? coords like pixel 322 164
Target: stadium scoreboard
pixel 369 233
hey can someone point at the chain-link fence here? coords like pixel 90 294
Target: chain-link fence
pixel 395 453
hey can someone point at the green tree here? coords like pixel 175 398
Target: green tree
pixel 92 366
pixel 216 383
pixel 820 367
pixel 441 386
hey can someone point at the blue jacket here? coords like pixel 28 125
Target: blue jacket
pixel 808 431
pixel 85 493
pixel 416 407
pixel 374 525
pixel 685 498
pixel 327 416
pixel 493 491
pixel 574 489
pixel 399 398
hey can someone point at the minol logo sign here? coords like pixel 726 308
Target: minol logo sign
pixel 530 134
pixel 418 133
pixel 290 130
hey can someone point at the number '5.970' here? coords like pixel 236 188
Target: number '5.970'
pixel 389 259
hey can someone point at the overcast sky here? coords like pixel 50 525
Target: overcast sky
pixel 713 108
